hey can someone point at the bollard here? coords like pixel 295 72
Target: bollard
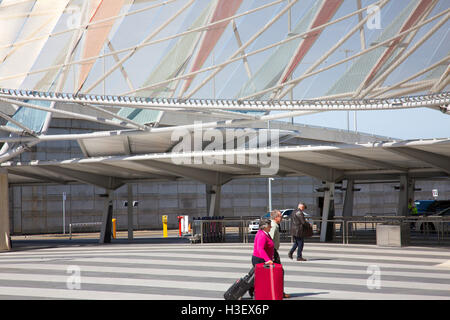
pixel 164 221
pixel 114 228
pixel 179 225
pixel 185 224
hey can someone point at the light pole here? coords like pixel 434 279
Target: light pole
pixel 269 180
pixel 64 212
pixel 347 51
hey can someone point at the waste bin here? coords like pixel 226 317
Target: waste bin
pixel 208 229
pixel 393 235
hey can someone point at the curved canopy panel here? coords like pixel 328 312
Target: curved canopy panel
pixel 241 48
pixel 141 66
pixel 327 162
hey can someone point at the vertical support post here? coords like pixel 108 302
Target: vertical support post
pixel 213 200
pixel 5 243
pixel 164 222
pixel 403 196
pixel 114 228
pixel 348 201
pixel 269 186
pixel 208 189
pixel 411 187
pixel 105 233
pixel 130 212
pixel 347 211
pixel 179 225
pixel 64 212
pixel 327 228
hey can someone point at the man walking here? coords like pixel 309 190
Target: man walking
pixel 297 223
pixel 276 217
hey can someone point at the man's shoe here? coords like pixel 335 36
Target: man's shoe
pixel 301 259
pixel 290 255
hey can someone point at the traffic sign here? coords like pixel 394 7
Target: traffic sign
pixel 435 193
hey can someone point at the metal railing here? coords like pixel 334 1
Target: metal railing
pixel 421 226
pixel 217 230
pixel 237 230
pixel 344 228
pixel 82 225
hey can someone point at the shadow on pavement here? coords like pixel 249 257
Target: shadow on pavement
pixel 33 244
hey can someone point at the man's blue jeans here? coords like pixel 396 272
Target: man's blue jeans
pixel 298 243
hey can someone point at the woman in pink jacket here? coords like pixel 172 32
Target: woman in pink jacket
pixel 263 246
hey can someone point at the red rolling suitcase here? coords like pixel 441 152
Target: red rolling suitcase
pixel 269 282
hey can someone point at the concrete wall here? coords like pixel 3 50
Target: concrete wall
pixel 38 209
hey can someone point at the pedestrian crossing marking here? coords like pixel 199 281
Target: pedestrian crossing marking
pixel 200 272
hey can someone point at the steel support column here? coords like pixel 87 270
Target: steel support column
pixel 105 233
pixel 327 228
pixel 5 243
pixel 213 194
pixel 348 201
pixel 406 191
pixel 130 212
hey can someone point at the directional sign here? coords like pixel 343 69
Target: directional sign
pixel 435 193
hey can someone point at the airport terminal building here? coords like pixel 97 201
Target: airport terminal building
pixel 197 108
pixel 37 207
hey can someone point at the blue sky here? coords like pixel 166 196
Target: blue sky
pixel 420 123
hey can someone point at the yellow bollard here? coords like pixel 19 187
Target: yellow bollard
pixel 164 221
pixel 114 228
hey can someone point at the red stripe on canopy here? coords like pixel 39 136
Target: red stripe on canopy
pixel 415 16
pixel 327 11
pixel 97 34
pixel 223 10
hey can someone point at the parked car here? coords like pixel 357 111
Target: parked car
pixel 431 225
pixel 253 226
pixel 285 213
pixel 430 207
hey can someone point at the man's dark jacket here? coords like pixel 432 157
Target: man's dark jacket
pixel 297 222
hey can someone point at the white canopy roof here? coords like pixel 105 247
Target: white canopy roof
pixel 327 162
